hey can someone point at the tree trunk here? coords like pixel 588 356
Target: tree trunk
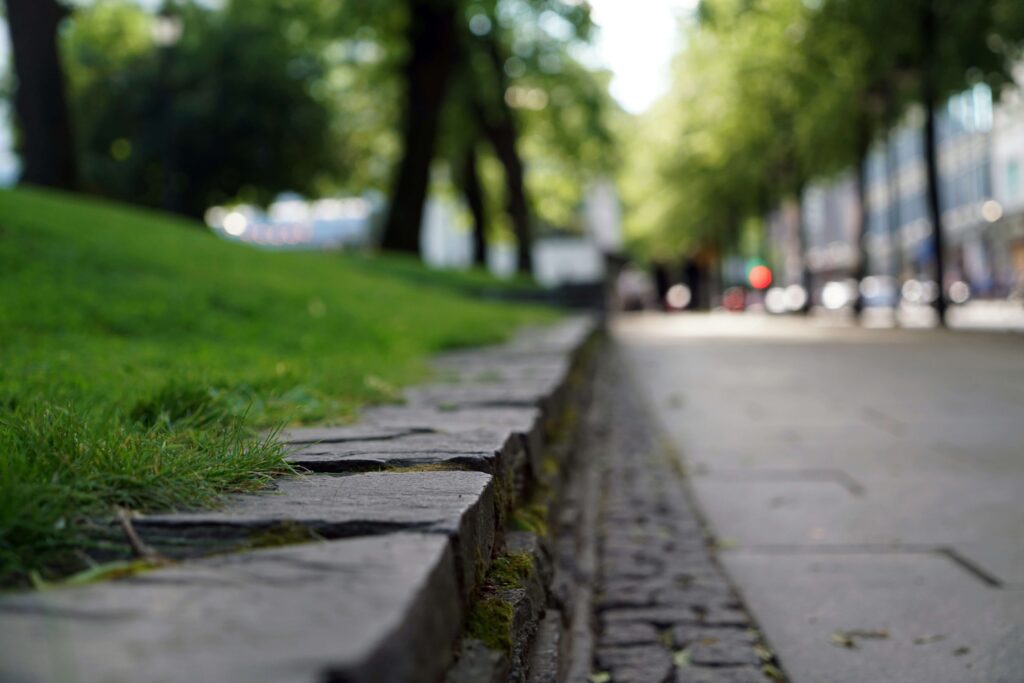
pixel 499 126
pixel 806 279
pixel 45 139
pixel 502 136
pixel 469 183
pixel 861 264
pixel 931 155
pixel 431 38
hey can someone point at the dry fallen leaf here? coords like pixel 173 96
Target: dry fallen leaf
pixel 842 640
pixel 848 639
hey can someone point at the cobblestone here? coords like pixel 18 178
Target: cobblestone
pixel 665 612
pixel 641 664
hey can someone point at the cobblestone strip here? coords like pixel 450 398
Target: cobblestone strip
pixel 664 610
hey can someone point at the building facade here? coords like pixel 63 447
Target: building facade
pixel 981 192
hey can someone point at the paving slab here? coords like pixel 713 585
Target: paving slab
pixel 564 337
pixel 494 451
pixel 865 479
pixel 368 610
pixel 459 505
pixel 499 365
pixel 939 623
pixel 519 393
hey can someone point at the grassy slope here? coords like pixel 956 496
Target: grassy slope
pixel 137 353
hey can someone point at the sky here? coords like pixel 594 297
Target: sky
pixel 636 41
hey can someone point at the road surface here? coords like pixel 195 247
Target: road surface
pixel 866 487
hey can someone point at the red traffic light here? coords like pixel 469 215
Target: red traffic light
pixel 760 277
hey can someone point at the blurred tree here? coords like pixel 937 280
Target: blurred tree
pixel 957 43
pixel 44 130
pixel 770 94
pixel 510 58
pixel 210 107
pixel 431 37
pixel 468 179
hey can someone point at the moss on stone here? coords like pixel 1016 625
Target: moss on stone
pixel 490 621
pixel 511 570
pixel 532 517
pixel 281 534
pixel 428 467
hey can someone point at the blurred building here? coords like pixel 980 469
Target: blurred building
pixel 1007 231
pixel 292 222
pixel 981 176
pixel 830 214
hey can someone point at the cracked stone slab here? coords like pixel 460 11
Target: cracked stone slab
pixel 383 609
pixel 525 421
pixel 349 433
pixel 459 505
pixel 494 451
pixel 380 424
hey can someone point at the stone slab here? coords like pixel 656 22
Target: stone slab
pixel 566 336
pixel 457 504
pixel 374 610
pixel 509 426
pixel 479 664
pixel 497 365
pixel 972 634
pixel 494 451
pixel 547 658
pixel 521 393
pixel 519 419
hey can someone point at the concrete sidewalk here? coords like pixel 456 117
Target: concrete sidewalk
pixel 866 486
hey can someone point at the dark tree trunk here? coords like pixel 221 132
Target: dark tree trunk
pixel 431 38
pixel 502 136
pixel 469 183
pixel 931 154
pixel 934 209
pixel 499 126
pixel 861 263
pixel 45 141
pixel 806 279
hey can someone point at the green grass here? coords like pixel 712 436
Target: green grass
pixel 139 356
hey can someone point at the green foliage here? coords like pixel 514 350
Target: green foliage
pixel 560 107
pixel 770 94
pixel 240 107
pixel 137 355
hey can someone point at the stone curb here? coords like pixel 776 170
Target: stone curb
pixel 404 510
